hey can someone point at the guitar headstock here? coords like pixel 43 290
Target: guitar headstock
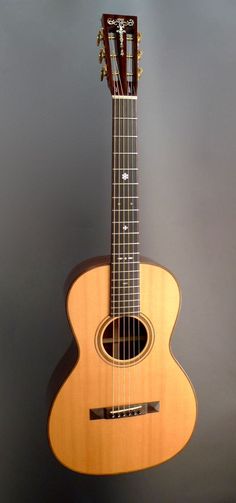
pixel 120 53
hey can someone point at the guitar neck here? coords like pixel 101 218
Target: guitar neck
pixel 125 208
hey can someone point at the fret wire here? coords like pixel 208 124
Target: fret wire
pixel 123 253
pixel 117 313
pixel 128 118
pixel 128 262
pixel 125 287
pixel 114 302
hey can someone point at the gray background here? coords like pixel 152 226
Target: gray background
pixel 55 158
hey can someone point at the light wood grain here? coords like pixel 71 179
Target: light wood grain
pixel 126 444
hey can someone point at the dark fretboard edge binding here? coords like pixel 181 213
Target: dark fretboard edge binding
pixel 125 278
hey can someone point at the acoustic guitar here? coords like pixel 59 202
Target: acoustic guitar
pixel 127 404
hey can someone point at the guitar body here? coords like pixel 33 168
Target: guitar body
pixel 125 444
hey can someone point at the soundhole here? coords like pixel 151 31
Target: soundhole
pixel 124 338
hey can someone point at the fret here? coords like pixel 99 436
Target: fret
pixel 125 287
pixel 125 128
pixel 125 244
pixel 123 263
pixel 122 193
pixel 125 305
pixel 127 296
pixel 123 301
pixel 123 233
pixel 123 253
pixel 124 136
pixel 123 278
pixel 127 118
pixel 119 96
pixel 131 222
pixel 125 210
pixel 117 313
pixel 121 275
pixel 122 271
pixel 124 220
pixel 121 228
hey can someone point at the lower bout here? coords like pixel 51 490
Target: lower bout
pixel 103 447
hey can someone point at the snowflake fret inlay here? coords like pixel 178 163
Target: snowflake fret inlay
pixel 125 176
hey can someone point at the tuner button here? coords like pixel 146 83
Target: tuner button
pixel 140 71
pixel 139 54
pixel 139 37
pixel 103 72
pixel 100 36
pixel 101 55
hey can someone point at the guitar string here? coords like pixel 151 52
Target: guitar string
pixel 139 289
pixel 116 270
pixel 119 251
pixel 129 254
pixel 124 274
pixel 122 111
pixel 132 254
pixel 120 90
pixel 134 218
pixel 128 276
pixel 138 255
pixel 128 225
pixel 112 290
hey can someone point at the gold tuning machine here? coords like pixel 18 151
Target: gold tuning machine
pixel 139 54
pixel 100 36
pixel 103 72
pixel 139 37
pixel 140 71
pixel 101 55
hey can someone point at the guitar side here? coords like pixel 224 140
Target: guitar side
pixel 130 443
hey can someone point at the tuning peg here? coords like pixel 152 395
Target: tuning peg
pixel 140 71
pixel 139 54
pixel 102 55
pixel 100 36
pixel 103 72
pixel 139 37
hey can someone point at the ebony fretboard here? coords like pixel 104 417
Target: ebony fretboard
pixel 125 209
